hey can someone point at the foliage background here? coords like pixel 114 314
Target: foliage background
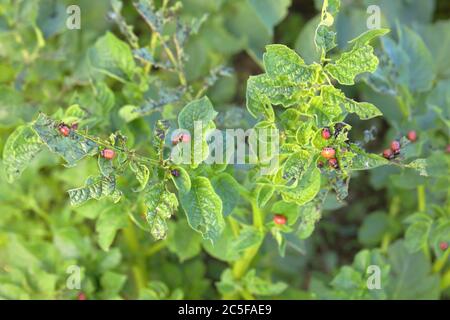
pixel 44 67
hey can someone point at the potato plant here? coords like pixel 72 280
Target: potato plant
pixel 92 183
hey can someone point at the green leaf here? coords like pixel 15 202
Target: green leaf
pixel 13 107
pixel 304 133
pixel 352 63
pixel 334 99
pixel 223 248
pixel 157 290
pixel 325 37
pixel 437 40
pixel 112 283
pixel 264 91
pixel 248 237
pixel 419 217
pixel 330 102
pixel 279 60
pixel 440 234
pixel 109 222
pixel 364 110
pixel 348 279
pixel 270 12
pixel 161 205
pixel 72 148
pixel 309 214
pixel 365 161
pixel 226 188
pixel 183 241
pixel 420 69
pixel 74 114
pixel 227 284
pixel 296 164
pixel 142 173
pixel 95 188
pixel 262 287
pixel 105 166
pixel 153 18
pixel 416 236
pixel 306 189
pixel 199 110
pixel 129 113
pixel 203 209
pixel 420 165
pixel 352 281
pixel 374 226
pixel 183 181
pixel 367 36
pixel 411 275
pixel 251 23
pixel 113 57
pixel 263 194
pixel 305 44
pixel 13 292
pixel 22 146
pixel 104 96
pixel 289 210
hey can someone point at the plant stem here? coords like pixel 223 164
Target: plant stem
pixel 440 263
pixel 393 211
pixel 421 207
pixel 158 246
pixel 109 146
pixel 241 266
pixel 421 198
pixel 35 207
pixel 234 226
pixel 247 295
pixel 139 269
pixel 445 280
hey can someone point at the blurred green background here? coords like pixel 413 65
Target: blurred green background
pixel 44 67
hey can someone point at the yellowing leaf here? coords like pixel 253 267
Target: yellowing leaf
pixel 367 36
pixel 161 205
pixel 203 209
pixel 279 60
pixel 95 188
pixel 352 63
pixel 72 148
pixel 20 149
pixel 141 172
pixel 306 189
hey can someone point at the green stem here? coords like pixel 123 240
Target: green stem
pixel 440 263
pixel 421 198
pixel 394 208
pixel 244 193
pixel 403 101
pixel 421 207
pixel 234 226
pixel 109 146
pixel 247 295
pixel 139 269
pixel 403 107
pixel 158 246
pixel 445 281
pixel 241 266
pixel 35 207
